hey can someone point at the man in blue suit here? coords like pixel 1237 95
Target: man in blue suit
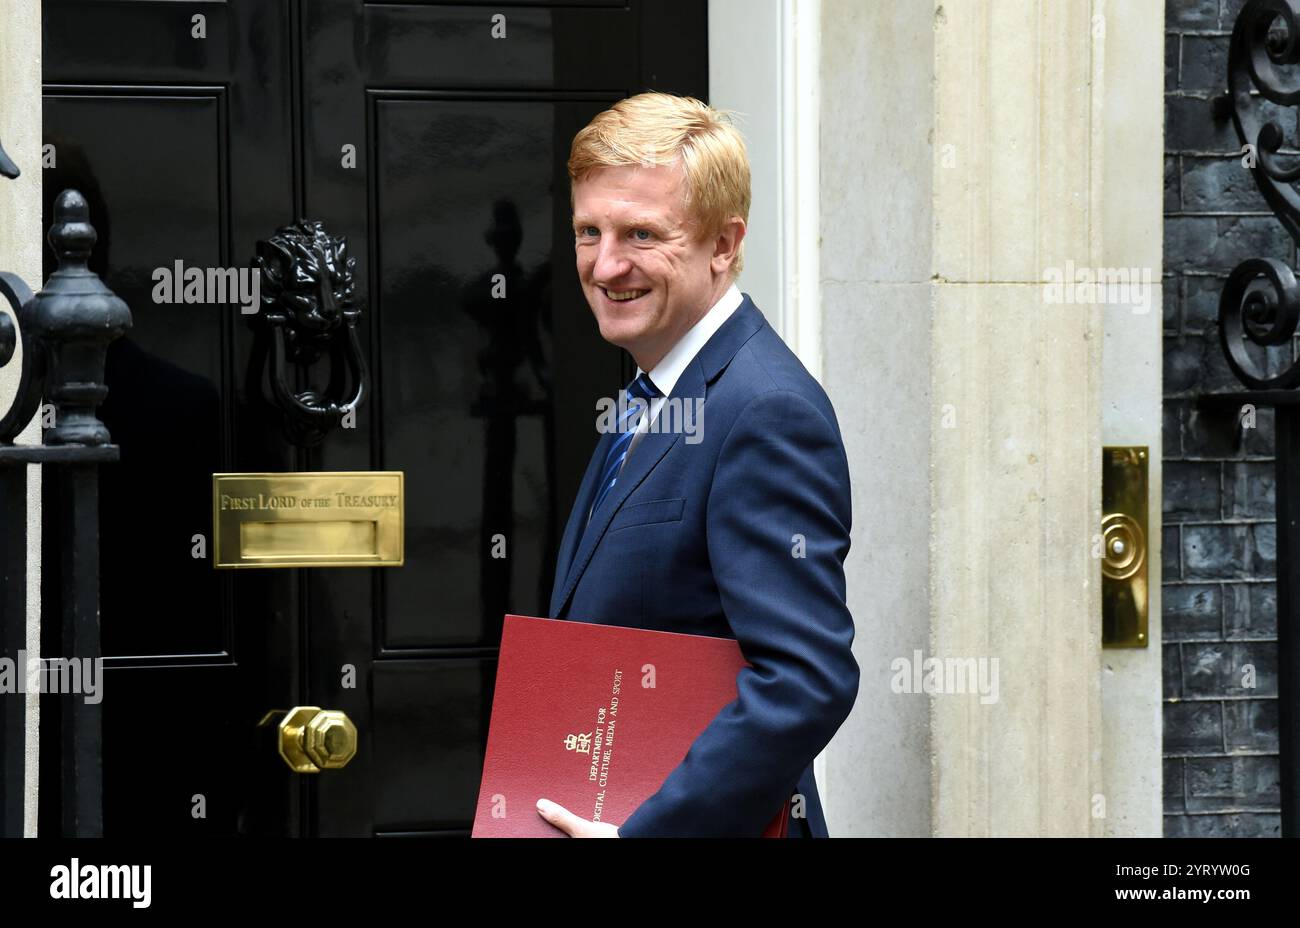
pixel 732 524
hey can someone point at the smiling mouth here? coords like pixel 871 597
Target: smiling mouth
pixel 623 296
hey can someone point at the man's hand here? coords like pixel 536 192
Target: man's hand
pixel 573 826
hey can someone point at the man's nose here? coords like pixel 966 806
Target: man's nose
pixel 611 260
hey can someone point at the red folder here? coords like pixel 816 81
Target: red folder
pixel 595 717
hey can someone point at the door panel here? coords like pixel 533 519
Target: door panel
pixel 466 375
pixel 168 370
pixel 183 149
pixel 450 47
pixel 430 729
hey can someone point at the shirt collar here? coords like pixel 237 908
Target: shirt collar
pixel 666 373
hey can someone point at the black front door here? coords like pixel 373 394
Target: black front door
pixel 434 138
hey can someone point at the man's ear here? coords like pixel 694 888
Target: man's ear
pixel 727 244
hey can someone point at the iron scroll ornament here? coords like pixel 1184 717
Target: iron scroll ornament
pixel 1265 38
pixel 31 375
pixel 309 312
pixel 15 292
pixel 7 167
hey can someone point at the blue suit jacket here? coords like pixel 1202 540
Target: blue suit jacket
pixel 699 537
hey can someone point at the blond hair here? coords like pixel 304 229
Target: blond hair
pixel 664 129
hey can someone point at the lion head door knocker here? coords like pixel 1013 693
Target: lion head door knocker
pixel 309 312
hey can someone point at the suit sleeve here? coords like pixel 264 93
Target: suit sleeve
pixel 778 523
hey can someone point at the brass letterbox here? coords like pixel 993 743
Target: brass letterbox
pixel 321 519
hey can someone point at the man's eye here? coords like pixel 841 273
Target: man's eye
pixel 585 229
pixel 643 235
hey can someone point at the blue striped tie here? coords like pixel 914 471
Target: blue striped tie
pixel 637 397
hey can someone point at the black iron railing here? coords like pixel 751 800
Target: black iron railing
pixel 64 332
pixel 1259 310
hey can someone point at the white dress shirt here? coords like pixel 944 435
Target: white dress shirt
pixel 669 369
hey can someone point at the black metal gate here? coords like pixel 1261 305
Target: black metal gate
pixel 1258 314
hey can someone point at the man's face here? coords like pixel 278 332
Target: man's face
pixel 646 274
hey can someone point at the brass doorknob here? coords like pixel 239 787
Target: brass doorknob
pixel 313 739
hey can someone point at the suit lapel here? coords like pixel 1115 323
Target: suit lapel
pixel 650 450
pixel 692 386
pixel 578 517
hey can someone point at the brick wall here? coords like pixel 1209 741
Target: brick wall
pixel 1219 540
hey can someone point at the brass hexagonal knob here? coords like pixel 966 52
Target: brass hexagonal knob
pixel 330 739
pixel 313 739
